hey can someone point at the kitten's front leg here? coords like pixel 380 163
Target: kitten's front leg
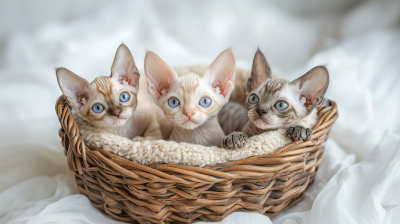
pixel 299 133
pixel 234 140
pixel 153 131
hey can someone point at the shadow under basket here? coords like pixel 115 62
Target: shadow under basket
pixel 162 193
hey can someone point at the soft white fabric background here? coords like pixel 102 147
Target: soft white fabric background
pixel 357 40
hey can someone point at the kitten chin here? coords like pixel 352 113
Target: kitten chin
pixel 190 125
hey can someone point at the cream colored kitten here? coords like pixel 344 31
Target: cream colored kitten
pixel 109 103
pixel 277 103
pixel 192 102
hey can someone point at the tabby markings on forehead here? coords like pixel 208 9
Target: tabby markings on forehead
pixel 275 85
pixel 103 85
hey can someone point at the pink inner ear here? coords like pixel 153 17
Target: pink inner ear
pixel 220 80
pixel 159 88
pixel 312 86
pixel 306 101
pixel 162 87
pixel 123 68
pixel 159 74
pixel 123 79
pixel 216 84
pixel 217 88
pixel 220 88
pixel 221 72
pixel 82 99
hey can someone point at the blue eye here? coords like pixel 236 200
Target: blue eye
pixel 253 99
pixel 205 102
pixel 173 102
pixel 281 105
pixel 124 97
pixel 98 108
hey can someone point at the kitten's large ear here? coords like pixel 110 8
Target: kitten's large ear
pixel 124 69
pixel 221 73
pixel 311 87
pixel 160 76
pixel 260 72
pixel 76 89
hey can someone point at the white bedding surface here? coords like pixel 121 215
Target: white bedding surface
pixel 359 178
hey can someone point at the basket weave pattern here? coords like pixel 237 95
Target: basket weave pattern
pixel 163 193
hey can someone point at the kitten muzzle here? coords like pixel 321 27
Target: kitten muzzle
pixel 266 120
pixel 271 119
pixel 189 120
pixel 189 114
pixel 115 111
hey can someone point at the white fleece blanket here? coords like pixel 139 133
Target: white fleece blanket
pixel 170 152
pixel 358 179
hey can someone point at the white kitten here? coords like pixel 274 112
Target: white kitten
pixel 192 102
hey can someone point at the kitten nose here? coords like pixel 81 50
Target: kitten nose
pixel 116 111
pixel 189 114
pixel 261 112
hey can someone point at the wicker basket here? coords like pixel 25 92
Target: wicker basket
pixel 162 193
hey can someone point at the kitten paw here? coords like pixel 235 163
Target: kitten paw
pixel 299 133
pixel 234 140
pixel 138 139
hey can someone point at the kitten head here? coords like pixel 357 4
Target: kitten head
pixel 107 101
pixel 190 100
pixel 278 103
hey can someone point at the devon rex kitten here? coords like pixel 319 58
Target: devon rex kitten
pixel 109 103
pixel 192 102
pixel 278 103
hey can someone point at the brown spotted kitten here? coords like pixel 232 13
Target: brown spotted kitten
pixel 277 103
